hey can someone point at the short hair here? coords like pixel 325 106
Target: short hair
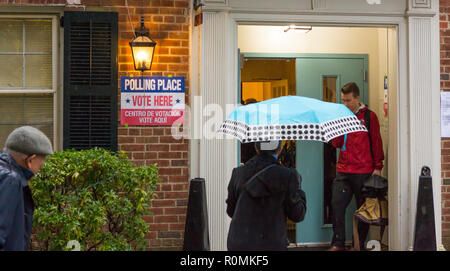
pixel 351 87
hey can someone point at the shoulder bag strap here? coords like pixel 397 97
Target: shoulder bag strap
pixel 259 172
pixel 253 177
pixel 367 121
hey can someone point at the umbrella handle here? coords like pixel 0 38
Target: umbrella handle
pixel 345 141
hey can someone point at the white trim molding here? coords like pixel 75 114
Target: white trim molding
pixel 218 157
pixel 424 99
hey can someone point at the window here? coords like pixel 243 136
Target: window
pixel 27 75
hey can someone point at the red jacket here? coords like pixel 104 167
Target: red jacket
pixel 356 158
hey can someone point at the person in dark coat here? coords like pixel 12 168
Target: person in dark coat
pixel 24 154
pixel 259 206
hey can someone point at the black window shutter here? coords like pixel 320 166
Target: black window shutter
pixel 90 80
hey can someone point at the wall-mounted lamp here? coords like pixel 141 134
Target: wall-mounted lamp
pixel 303 29
pixel 142 48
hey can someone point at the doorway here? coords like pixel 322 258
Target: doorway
pixel 377 47
pixel 266 76
pixel 321 77
pixel 263 79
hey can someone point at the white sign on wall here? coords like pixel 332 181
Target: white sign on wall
pixel 445 114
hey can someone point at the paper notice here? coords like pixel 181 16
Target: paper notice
pixel 445 114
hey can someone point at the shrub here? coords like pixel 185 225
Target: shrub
pixel 95 197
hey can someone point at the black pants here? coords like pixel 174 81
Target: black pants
pixel 344 187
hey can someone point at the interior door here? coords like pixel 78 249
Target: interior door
pixel 322 77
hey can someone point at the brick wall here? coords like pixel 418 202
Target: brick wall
pixel 168 21
pixel 444 17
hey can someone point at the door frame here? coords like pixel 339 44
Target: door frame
pixel 364 93
pixel 214 76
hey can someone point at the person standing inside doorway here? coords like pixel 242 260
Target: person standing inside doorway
pixel 361 156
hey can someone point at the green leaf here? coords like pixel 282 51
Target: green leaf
pixel 95 197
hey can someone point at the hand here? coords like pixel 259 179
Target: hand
pixel 376 172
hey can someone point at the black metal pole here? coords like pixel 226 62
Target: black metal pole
pixel 196 233
pixel 425 231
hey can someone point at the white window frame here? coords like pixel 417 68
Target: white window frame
pixel 55 72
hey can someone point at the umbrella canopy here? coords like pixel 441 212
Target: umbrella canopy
pixel 291 118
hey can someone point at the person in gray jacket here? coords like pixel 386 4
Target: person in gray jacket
pixel 23 156
pixel 262 194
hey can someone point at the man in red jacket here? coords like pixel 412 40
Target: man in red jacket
pixel 360 157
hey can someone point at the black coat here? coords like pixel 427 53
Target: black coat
pixel 259 216
pixel 16 205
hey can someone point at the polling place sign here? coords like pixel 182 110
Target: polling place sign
pixel 152 101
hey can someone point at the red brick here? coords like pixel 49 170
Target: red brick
pixel 166 219
pixel 122 131
pixel 125 139
pixel 181 35
pixel 150 155
pixel 159 227
pixel 133 147
pixel 158 19
pixel 147 131
pixel 174 11
pixel 175 211
pixel 159 147
pixel 159 163
pixel 446 159
pixel 169 43
pixel 163 203
pixel 185 51
pixel 180 20
pixel 170 171
pixel 151 235
pixel 169 155
pixel 180 187
pixel 169 25
pixel 169 139
pixel 179 163
pixel 176 195
pixel 156 211
pixel 147 139
pixel 177 227
pixel 179 147
pixel 148 219
pixel 169 19
pixel 134 131
pixel 180 179
pixel 146 11
pixel 182 4
pixel 158 131
pixel 138 155
pixel 138 163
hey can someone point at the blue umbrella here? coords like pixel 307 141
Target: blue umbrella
pixel 291 118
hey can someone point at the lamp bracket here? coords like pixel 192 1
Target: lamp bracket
pixel 142 31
